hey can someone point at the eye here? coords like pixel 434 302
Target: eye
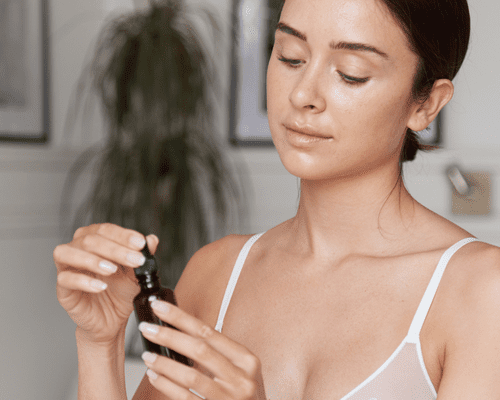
pixel 352 80
pixel 292 63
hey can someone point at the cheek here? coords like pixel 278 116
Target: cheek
pixel 394 115
pixel 276 94
pixel 270 88
pixel 276 82
pixel 382 115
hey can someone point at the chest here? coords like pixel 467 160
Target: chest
pixel 320 335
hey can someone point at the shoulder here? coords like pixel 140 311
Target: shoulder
pixel 479 270
pixel 203 282
pixel 476 270
pixel 473 322
pixel 473 279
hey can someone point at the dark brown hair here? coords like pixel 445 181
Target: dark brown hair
pixel 438 32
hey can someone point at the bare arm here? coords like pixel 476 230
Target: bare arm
pixel 472 359
pixel 96 286
pixel 101 369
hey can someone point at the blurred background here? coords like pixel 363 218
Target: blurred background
pixel 37 346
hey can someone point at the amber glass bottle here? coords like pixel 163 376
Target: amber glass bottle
pixel 151 290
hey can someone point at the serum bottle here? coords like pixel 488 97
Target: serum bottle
pixel 151 290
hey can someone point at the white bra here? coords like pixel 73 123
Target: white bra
pixel 403 376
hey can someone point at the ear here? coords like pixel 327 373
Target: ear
pixel 424 113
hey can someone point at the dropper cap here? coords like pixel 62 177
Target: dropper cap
pixel 150 266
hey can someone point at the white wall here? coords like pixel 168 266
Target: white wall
pixel 37 340
pixel 37 350
pixel 473 116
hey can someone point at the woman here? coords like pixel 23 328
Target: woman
pixel 330 304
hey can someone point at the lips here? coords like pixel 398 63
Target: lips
pixel 307 131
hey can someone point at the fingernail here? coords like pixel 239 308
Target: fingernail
pixel 151 374
pixel 144 327
pixel 149 357
pixel 97 284
pixel 136 259
pixel 138 241
pixel 108 267
pixel 160 306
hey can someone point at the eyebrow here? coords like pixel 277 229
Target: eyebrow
pixel 290 31
pixel 282 27
pixel 357 47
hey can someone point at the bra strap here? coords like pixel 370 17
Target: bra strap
pixel 430 292
pixel 238 266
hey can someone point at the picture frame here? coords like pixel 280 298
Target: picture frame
pixel 253 36
pixel 24 67
pixel 253 23
pixel 432 135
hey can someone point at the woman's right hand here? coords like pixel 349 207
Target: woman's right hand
pixel 96 283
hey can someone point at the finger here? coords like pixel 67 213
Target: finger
pixel 125 237
pixel 77 281
pixel 184 376
pixel 65 255
pixel 169 388
pixel 237 354
pixel 198 350
pixel 193 348
pixel 109 250
pixel 153 242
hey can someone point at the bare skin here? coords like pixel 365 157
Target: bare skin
pixel 327 296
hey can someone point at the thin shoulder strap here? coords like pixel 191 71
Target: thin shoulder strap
pixel 430 292
pixel 240 261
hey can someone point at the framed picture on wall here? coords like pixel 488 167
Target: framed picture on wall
pixel 23 71
pixel 254 23
pixel 432 135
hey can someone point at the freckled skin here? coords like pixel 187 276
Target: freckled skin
pixel 367 121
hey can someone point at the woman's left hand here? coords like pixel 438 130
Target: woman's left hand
pixel 236 371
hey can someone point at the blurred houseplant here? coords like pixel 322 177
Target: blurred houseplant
pixel 162 169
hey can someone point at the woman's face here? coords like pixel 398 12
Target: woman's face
pixel 339 88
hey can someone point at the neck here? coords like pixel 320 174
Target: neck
pixel 361 215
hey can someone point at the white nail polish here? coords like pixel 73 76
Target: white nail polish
pixel 149 357
pixel 144 327
pixel 97 284
pixel 151 374
pixel 108 267
pixel 136 259
pixel 138 241
pixel 160 306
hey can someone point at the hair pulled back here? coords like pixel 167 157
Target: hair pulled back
pixel 438 32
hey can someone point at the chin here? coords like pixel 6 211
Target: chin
pixel 328 168
pixel 303 166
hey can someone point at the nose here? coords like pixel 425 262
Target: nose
pixel 307 93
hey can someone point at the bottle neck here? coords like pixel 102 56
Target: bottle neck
pixel 149 281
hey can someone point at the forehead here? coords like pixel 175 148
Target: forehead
pixel 360 21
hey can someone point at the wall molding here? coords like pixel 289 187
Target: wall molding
pixel 26 213
pixel 32 158
pixel 31 182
